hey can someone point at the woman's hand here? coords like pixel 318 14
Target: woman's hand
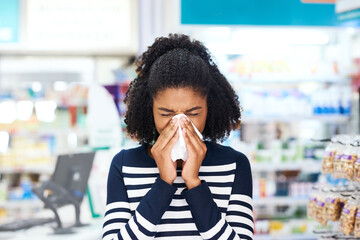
pixel 197 151
pixel 161 151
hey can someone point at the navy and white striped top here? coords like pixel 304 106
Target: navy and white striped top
pixel 140 205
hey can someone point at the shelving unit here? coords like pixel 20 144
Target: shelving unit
pixel 33 144
pixel 282 78
pixel 285 100
pixel 288 237
pixel 278 201
pixel 21 204
pixel 287 166
pixel 41 169
pixel 339 119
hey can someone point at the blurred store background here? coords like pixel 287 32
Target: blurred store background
pixel 295 65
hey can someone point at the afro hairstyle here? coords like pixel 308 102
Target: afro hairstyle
pixel 177 61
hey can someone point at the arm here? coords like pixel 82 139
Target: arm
pixel 119 223
pixel 238 222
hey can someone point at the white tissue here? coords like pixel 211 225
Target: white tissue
pixel 180 151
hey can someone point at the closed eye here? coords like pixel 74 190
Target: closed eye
pixel 188 114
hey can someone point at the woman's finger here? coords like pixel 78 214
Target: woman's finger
pixel 172 141
pixel 188 141
pixel 167 134
pixel 193 141
pixel 192 133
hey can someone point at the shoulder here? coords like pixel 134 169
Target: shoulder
pixel 229 155
pixel 123 156
pixel 134 157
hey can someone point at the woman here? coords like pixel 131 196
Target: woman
pixel 208 195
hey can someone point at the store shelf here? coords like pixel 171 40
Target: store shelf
pixel 289 237
pixel 20 204
pixel 43 169
pixel 50 132
pixel 283 166
pixel 321 118
pixel 275 201
pixel 285 79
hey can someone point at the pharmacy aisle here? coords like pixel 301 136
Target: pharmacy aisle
pixel 49 65
pixel 297 76
pixel 298 86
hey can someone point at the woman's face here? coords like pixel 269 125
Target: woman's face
pixel 173 101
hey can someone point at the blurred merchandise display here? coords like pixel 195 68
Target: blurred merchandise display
pixel 255 68
pixel 118 92
pixel 338 200
pixel 44 120
pixel 27 152
pixel 284 173
pixel 291 102
pixel 355 74
pixel 286 102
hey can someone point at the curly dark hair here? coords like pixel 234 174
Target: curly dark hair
pixel 179 62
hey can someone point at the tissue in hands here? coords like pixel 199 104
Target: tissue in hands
pixel 180 151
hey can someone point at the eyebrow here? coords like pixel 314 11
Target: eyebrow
pixel 171 111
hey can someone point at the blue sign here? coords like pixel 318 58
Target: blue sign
pixel 258 12
pixel 9 21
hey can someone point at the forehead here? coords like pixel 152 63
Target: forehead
pixel 178 98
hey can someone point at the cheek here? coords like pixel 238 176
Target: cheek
pixel 161 123
pixel 199 123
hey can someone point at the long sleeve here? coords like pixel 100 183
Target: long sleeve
pixel 238 222
pixel 119 221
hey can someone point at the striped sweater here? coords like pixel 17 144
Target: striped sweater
pixel 140 205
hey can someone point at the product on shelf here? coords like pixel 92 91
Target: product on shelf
pixel 343 200
pixel 357 224
pixel 332 206
pixel 342 203
pixel 357 169
pixel 348 159
pixel 327 165
pixel 347 218
pixel 327 204
pixel 320 209
pixel 339 148
pixel 357 162
pixel 311 207
pixel 342 157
